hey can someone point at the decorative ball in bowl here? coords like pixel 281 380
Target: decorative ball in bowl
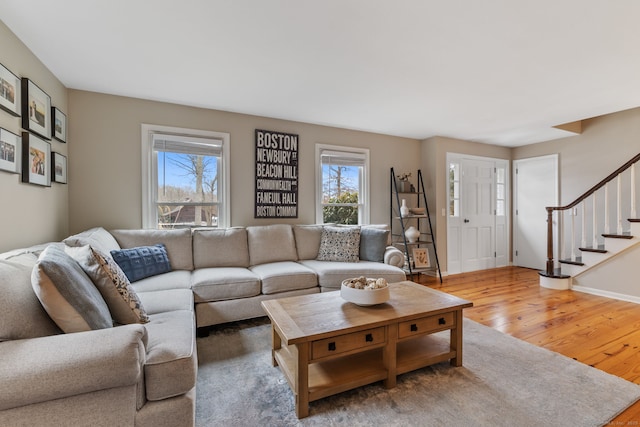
pixel 365 291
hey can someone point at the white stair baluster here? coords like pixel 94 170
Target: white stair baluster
pixel 573 234
pixel 583 238
pixel 561 235
pixel 594 228
pixel 632 214
pixel 619 205
pixel 606 209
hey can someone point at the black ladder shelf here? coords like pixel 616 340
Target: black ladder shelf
pixel 400 223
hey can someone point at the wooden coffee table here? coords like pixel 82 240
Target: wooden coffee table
pixel 325 345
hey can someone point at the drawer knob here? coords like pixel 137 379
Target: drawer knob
pixel 368 338
pixel 442 321
pixel 414 327
pixel 332 346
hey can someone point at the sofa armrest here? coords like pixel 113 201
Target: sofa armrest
pixel 393 256
pixel 53 367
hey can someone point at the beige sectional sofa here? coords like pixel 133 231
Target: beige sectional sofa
pixel 145 374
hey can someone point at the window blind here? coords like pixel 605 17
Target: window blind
pixel 187 145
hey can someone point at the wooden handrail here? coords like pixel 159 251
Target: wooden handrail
pixel 550 209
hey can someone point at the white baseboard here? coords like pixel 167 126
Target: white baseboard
pixel 608 294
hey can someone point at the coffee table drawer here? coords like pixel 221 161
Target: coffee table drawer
pixel 347 342
pixel 426 325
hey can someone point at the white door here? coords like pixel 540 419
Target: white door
pixel 477 220
pixel 535 187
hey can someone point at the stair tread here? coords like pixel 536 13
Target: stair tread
pixel 578 261
pixel 557 274
pixel 600 249
pixel 624 235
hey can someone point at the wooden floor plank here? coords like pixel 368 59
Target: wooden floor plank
pixel 594 330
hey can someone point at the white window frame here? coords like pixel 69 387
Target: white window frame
pixel 364 205
pixel 150 171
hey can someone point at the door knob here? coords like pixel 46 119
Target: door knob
pixel 466 220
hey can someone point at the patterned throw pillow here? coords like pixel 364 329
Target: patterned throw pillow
pixel 115 288
pixel 339 244
pixel 143 261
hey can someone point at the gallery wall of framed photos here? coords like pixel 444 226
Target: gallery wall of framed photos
pixel 35 152
pixel 36 204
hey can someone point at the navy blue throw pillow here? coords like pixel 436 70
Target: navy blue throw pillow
pixel 144 261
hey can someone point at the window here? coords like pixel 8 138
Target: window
pixel 454 189
pixel 185 178
pixel 342 179
pixel 501 192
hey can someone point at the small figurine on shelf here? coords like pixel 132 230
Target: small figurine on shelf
pixel 404 186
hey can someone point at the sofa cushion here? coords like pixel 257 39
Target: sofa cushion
pixel 22 314
pixel 171 365
pixel 168 300
pixel 177 279
pixel 97 237
pixel 177 242
pixel 67 293
pixel 223 283
pixel 373 243
pixel 112 283
pixel 331 274
pixel 224 247
pixel 284 276
pixel 271 243
pixel 307 240
pixel 339 244
pixel 142 261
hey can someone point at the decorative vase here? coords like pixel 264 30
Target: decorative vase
pixel 412 234
pixel 404 209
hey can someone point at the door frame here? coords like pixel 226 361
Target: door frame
pixel 507 217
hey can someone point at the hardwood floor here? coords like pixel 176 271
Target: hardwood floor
pixel 598 331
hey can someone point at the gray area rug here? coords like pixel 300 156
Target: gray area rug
pixel 504 382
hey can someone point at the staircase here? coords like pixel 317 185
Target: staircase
pixel 593 243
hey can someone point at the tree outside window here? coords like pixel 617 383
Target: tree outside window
pixel 342 179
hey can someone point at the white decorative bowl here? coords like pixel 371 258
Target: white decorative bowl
pixel 364 297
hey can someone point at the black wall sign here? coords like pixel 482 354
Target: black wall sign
pixel 276 175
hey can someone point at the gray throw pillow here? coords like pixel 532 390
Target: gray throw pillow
pixel 373 243
pixel 67 294
pixel 340 244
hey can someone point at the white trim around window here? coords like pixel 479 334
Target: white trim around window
pixel 346 155
pixel 149 169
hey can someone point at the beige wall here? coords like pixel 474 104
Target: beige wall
pixel 606 143
pixel 29 213
pixel 104 171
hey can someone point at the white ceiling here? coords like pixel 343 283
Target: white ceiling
pixel 495 71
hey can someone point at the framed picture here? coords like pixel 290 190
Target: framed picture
pixel 59 121
pixel 58 168
pixel 421 258
pixel 36 109
pixel 9 97
pixel 10 149
pixel 36 160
